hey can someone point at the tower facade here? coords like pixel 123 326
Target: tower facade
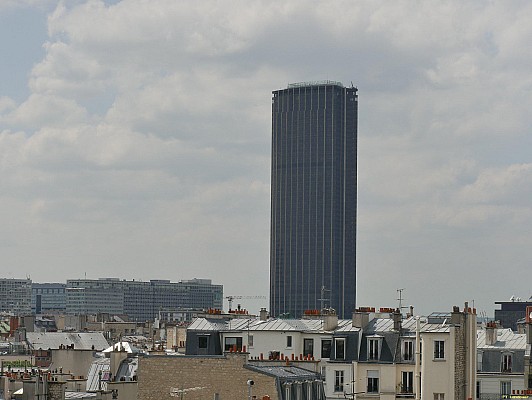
pixel 313 198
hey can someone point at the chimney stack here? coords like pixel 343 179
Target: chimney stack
pixel 491 333
pixel 330 319
pixel 361 317
pixel 397 320
pixel 263 315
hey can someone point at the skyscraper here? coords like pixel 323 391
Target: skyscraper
pixel 313 198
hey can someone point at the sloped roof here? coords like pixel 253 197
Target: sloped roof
pixel 53 340
pixel 125 346
pixel 102 365
pixel 286 372
pixel 272 324
pixel 79 395
pixel 506 340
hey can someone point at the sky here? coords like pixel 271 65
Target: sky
pixel 135 140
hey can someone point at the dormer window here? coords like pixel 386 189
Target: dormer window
pixel 506 363
pixel 374 347
pixel 407 350
pixel 339 348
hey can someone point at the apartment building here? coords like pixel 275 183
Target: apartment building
pixel 372 356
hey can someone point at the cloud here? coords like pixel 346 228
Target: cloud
pixel 144 143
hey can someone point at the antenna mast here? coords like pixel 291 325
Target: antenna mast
pixel 323 299
pixel 400 299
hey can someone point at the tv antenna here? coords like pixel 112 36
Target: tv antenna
pixel 323 299
pixel 400 299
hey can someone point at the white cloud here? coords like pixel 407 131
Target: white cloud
pixel 144 144
pixel 45 110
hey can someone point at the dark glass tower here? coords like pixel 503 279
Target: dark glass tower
pixel 314 198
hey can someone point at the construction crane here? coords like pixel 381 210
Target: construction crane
pixel 231 298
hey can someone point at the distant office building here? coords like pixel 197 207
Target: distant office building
pixel 48 298
pixel 313 198
pixel 15 296
pixel 511 311
pixel 140 300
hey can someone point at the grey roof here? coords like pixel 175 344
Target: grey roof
pixel 506 340
pixel 79 395
pixel 93 379
pixel 285 372
pixel 272 324
pixel 408 325
pixel 53 340
pixel 376 325
pixel 128 369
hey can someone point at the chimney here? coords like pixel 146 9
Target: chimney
pixel 330 320
pixel 491 333
pixel 528 325
pixel 456 316
pixel 263 315
pixel 361 317
pixel 397 320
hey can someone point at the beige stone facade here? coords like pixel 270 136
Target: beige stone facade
pixel 201 378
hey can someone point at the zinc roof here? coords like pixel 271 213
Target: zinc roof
pixel 79 395
pixel 53 340
pixel 272 324
pixel 408 324
pixel 376 325
pixel 506 339
pixel 286 372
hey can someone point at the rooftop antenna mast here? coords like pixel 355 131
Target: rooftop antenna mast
pixel 400 299
pixel 323 299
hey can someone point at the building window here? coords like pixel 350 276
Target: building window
pixel 439 396
pixel 407 382
pixel 408 350
pixel 326 348
pixel 250 340
pixel 339 347
pixel 479 361
pixel 288 391
pixel 506 365
pixel 373 382
pixel 338 381
pixel 231 342
pixel 308 347
pixel 203 342
pixel 506 389
pixel 373 349
pixel 439 350
pixel 478 390
pixel 289 341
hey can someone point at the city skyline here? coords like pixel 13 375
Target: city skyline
pixel 135 140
